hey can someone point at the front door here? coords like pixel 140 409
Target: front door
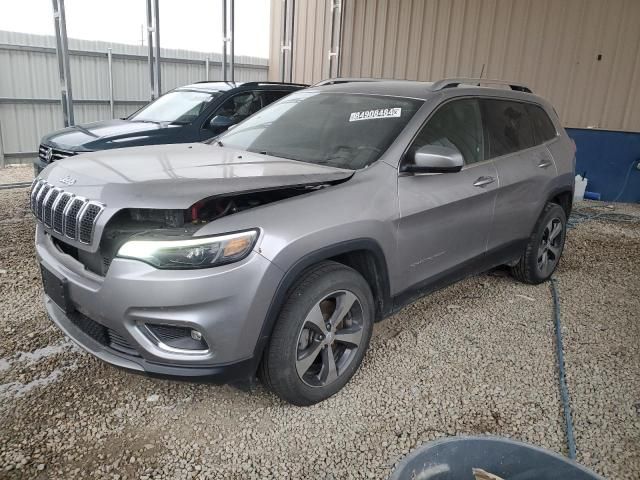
pixel 445 218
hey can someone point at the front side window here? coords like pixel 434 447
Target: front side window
pixel 457 125
pixel 508 126
pixel 241 106
pixel 178 106
pixel 337 129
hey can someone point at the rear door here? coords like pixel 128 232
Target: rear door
pixel 524 165
pixel 445 218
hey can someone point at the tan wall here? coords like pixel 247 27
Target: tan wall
pixel 311 40
pixel 550 45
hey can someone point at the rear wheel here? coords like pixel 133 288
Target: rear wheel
pixel 544 248
pixel 321 335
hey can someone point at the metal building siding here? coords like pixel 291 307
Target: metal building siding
pixel 311 40
pixel 550 45
pixel 30 71
pixel 275 40
pixel 312 34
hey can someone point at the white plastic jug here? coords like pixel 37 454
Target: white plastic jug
pixel 581 186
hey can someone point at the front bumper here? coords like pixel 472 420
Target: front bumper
pixel 227 304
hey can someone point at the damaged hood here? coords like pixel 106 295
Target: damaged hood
pixel 177 176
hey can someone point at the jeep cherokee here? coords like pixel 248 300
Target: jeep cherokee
pixel 271 250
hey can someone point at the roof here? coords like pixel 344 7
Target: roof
pixel 416 89
pixel 207 86
pixel 397 88
pixel 210 86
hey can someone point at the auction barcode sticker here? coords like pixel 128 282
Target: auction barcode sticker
pixel 376 113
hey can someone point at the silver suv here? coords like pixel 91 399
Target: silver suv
pixel 273 249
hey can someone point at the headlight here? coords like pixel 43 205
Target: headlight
pixel 199 252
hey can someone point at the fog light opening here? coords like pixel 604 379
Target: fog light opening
pixel 177 339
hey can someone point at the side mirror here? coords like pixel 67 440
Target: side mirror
pixel 435 159
pixel 220 123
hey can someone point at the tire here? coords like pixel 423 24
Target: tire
pixel 529 268
pixel 321 295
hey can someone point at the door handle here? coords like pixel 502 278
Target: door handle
pixel 483 181
pixel 544 163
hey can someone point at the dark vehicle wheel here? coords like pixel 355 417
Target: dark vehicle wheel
pixel 321 335
pixel 544 248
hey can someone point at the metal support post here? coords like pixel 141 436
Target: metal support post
pixel 224 40
pixel 150 49
pixel 157 28
pixel 110 63
pixel 231 34
pixel 62 51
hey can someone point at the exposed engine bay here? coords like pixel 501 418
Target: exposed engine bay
pixel 151 224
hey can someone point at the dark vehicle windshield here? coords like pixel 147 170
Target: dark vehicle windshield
pixel 338 129
pixel 179 106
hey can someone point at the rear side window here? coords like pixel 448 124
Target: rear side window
pixel 542 124
pixel 508 126
pixel 456 124
pixel 272 96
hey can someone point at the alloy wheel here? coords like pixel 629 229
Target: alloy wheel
pixel 330 336
pixel 550 246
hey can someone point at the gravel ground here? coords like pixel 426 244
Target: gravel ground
pixel 16 173
pixel 477 357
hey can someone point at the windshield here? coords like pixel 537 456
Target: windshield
pixel 179 106
pixel 338 129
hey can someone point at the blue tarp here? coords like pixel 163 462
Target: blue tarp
pixel 610 160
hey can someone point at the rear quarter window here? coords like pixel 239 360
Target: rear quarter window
pixel 507 125
pixel 542 125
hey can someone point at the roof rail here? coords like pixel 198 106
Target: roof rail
pixel 274 83
pixel 212 81
pixel 337 80
pixel 455 82
pixel 252 83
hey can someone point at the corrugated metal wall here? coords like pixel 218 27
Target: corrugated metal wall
pixel 30 91
pixel 311 40
pixel 582 55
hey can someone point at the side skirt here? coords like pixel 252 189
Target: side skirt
pixel 496 257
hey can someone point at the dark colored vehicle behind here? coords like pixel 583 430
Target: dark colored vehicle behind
pixel 186 114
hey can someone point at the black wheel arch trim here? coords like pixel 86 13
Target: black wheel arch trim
pixel 559 191
pixel 312 258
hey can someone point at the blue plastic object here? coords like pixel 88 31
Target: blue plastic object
pixel 454 458
pixel 591 196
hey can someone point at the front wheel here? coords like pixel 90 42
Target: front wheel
pixel 544 248
pixel 321 335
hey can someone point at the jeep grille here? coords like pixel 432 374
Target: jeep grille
pixel 63 212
